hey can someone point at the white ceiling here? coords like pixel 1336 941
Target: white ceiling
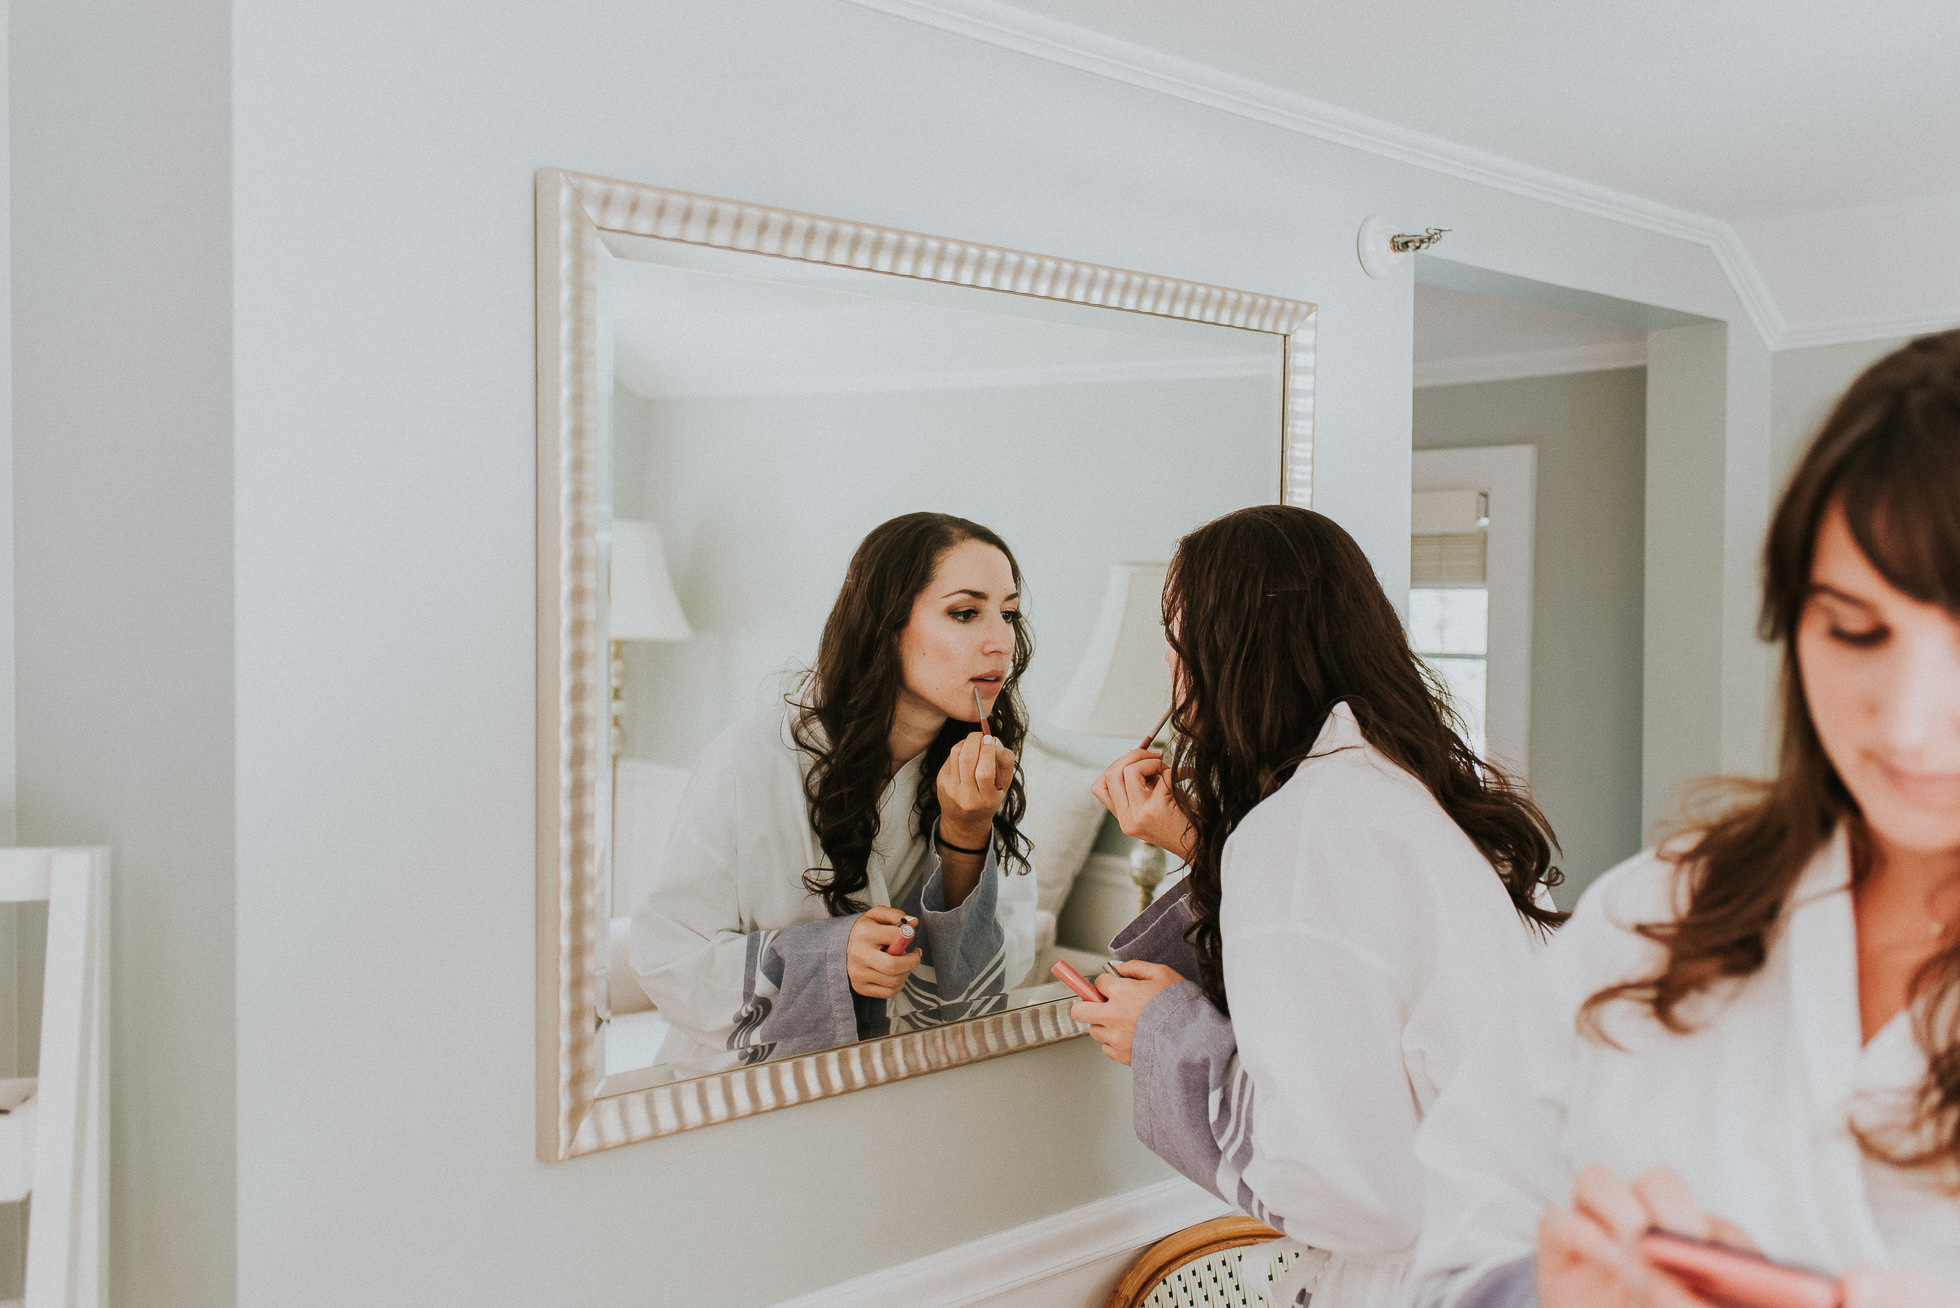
pixel 1745 110
pixel 711 323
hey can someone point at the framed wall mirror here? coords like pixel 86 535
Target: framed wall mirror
pixel 730 397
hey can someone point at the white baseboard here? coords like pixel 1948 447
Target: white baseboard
pixel 1070 1260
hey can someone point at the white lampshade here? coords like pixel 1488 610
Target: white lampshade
pixel 1122 686
pixel 643 603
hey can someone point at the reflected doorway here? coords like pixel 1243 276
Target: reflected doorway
pixel 1528 542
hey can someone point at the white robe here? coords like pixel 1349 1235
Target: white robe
pixel 747 964
pixel 1752 1108
pixel 1365 938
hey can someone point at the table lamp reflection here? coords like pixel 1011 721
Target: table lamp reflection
pixel 641 605
pixel 1122 687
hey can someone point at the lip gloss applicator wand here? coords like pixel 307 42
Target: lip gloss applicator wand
pixel 1074 980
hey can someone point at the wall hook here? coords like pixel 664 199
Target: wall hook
pixel 1403 243
pixel 1381 248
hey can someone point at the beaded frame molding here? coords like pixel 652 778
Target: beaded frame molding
pixel 573 210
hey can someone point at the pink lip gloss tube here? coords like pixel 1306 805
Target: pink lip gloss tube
pixel 1737 1277
pixel 1075 981
pixel 902 942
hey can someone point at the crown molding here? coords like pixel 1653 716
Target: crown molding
pixel 1846 331
pixel 1556 362
pixel 1009 28
pixel 1124 61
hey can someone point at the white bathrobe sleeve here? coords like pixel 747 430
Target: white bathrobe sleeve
pixel 1491 1148
pixel 760 993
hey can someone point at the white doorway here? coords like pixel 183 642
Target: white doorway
pixel 1470 589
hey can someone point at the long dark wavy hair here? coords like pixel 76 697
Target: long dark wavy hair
pixel 1276 617
pixel 1889 454
pixel 845 706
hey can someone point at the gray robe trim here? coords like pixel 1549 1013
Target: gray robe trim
pixel 1193 1102
pixel 964 972
pixel 1182 1052
pixel 811 1008
pixel 1508 1285
pixel 1158 934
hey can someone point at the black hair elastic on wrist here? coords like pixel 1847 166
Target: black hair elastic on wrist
pixel 957 849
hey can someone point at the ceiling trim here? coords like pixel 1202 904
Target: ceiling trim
pixel 1555 362
pixel 1846 331
pixel 1014 29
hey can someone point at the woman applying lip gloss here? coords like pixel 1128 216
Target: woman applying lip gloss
pixel 1752 1033
pixel 885 796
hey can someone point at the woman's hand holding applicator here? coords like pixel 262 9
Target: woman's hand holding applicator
pixel 874 970
pixel 972 784
pixel 1124 992
pixel 1137 789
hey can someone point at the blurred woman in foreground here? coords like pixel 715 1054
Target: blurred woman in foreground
pixel 1752 1033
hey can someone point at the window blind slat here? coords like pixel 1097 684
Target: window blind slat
pixel 1448 559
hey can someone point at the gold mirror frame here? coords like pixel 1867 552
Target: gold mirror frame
pixel 572 211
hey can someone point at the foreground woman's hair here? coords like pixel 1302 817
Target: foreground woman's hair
pixel 844 716
pixel 1890 455
pixel 1276 616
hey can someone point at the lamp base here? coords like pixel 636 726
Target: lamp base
pixel 616 675
pixel 1147 867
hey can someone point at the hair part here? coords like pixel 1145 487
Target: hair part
pixel 1889 457
pixel 847 703
pixel 1276 616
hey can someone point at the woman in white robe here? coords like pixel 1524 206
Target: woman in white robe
pixel 1761 1021
pixel 809 836
pixel 1361 886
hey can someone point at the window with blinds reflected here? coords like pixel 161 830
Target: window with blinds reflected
pixel 1449 599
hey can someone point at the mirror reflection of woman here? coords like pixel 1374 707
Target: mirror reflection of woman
pixel 1363 891
pixel 1752 1033
pixel 809 838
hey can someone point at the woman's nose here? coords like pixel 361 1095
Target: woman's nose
pixel 1000 637
pixel 1919 707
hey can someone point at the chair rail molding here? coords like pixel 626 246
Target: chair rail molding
pixel 1009 28
pixel 1013 1268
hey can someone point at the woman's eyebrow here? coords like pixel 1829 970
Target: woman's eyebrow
pixel 980 595
pixel 1818 588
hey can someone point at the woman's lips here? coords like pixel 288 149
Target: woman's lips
pixel 1933 789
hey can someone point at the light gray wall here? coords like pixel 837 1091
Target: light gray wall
pixel 1590 432
pixel 7 765
pixel 123 481
pixel 20 988
pixel 1806 383
pixel 1681 701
